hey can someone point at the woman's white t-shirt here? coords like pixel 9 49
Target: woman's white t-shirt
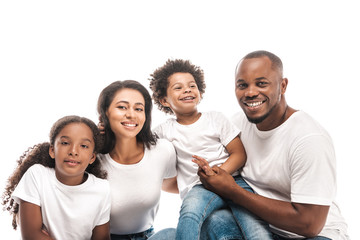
pixel 136 188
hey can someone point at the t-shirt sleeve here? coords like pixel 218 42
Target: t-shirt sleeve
pixel 228 130
pixel 313 171
pixel 105 211
pixel 28 189
pixel 170 160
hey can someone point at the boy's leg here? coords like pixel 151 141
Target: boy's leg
pixel 220 225
pixel 251 226
pixel 197 205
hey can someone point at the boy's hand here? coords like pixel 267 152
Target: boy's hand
pixel 203 164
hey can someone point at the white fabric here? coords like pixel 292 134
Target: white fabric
pixel 207 138
pixel 136 188
pixel 68 212
pixel 294 162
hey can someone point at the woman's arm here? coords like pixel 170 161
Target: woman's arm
pixel 170 185
pixel 237 156
pixel 101 232
pixel 31 222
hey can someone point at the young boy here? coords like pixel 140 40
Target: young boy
pixel 201 140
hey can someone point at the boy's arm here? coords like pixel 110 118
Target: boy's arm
pixel 237 156
pixel 170 185
pixel 101 232
pixel 31 222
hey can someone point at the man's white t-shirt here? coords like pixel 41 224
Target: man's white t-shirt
pixel 294 162
pixel 206 138
pixel 68 212
pixel 136 188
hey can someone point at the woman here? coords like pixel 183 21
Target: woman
pixel 138 164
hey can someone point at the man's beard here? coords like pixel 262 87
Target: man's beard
pixel 260 119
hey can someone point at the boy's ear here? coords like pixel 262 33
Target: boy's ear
pixel 51 151
pixel 164 102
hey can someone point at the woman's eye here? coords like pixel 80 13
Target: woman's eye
pixel 139 109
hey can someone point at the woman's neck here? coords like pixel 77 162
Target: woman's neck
pixel 127 151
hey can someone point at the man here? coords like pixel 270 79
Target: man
pixel 290 160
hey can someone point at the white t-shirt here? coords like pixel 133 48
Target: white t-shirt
pixel 136 188
pixel 207 138
pixel 68 212
pixel 294 162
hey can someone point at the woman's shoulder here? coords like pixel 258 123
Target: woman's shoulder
pixel 163 146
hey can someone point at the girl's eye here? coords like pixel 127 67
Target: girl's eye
pixel 64 143
pixel 84 146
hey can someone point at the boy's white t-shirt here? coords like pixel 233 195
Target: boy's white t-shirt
pixel 68 212
pixel 136 188
pixel 294 162
pixel 206 138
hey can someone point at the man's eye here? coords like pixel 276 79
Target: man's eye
pixel 241 85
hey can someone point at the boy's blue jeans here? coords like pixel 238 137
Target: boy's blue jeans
pixel 199 203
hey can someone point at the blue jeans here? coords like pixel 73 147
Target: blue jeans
pixel 134 236
pixel 221 225
pixel 199 203
pixel 164 234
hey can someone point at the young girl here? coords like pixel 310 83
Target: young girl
pixel 58 189
pixel 138 164
pixel 177 88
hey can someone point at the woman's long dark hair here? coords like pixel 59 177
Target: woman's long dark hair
pixel 39 154
pixel 107 96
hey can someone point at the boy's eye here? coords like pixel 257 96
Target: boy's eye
pixel 64 143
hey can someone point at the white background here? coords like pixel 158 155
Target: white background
pixel 56 57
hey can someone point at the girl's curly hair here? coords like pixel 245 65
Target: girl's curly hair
pixel 159 79
pixel 39 154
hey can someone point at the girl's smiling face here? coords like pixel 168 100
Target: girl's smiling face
pixel 73 151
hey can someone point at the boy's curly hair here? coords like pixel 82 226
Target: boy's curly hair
pixel 39 154
pixel 159 79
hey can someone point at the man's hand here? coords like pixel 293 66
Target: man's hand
pixel 221 183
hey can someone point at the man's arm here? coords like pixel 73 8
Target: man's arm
pixel 303 219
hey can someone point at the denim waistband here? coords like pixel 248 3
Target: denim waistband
pixel 133 235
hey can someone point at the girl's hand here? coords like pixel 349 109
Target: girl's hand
pixel 203 164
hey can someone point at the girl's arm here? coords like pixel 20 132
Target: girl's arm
pixel 31 222
pixel 101 232
pixel 170 185
pixel 237 156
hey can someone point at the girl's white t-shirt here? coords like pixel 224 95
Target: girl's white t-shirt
pixel 68 212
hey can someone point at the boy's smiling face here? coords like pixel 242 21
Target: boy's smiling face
pixel 182 94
